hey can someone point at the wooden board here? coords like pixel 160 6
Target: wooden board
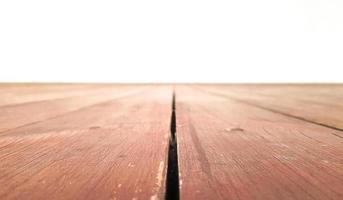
pixel 317 103
pixel 105 149
pixel 110 141
pixel 17 93
pixel 21 114
pixel 232 150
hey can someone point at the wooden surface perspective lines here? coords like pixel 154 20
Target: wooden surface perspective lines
pixel 165 141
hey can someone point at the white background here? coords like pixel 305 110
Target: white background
pixel 171 41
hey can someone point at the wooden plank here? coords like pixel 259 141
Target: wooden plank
pixel 232 150
pixel 17 93
pixel 319 103
pixel 113 150
pixel 13 94
pixel 18 115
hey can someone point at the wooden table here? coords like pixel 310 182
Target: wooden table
pixel 129 141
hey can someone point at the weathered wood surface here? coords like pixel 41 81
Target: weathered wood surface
pixel 37 108
pixel 103 141
pixel 113 146
pixel 318 103
pixel 228 149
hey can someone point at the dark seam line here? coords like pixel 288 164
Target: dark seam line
pixel 172 182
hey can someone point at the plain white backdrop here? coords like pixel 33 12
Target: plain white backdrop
pixel 171 41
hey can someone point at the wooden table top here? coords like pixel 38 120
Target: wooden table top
pixel 160 141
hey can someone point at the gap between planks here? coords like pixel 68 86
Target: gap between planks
pixel 172 186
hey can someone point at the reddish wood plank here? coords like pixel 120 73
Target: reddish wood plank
pixel 319 103
pixel 231 150
pixel 18 115
pixel 11 94
pixel 17 93
pixel 113 150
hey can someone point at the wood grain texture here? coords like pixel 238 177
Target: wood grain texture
pixel 232 150
pixel 318 103
pixel 17 115
pixel 106 149
pixel 110 141
pixel 17 93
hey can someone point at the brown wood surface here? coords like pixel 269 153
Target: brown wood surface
pixel 108 148
pixel 38 109
pixel 110 141
pixel 232 150
pixel 317 103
